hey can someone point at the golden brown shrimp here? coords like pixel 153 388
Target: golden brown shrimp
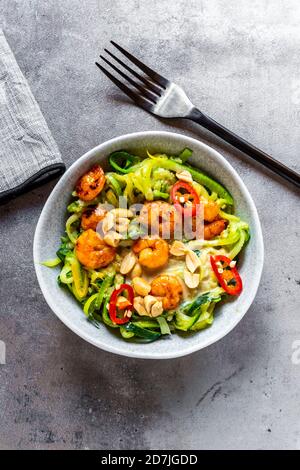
pixel 153 253
pixel 91 183
pixel 92 251
pixel 168 289
pixel 213 229
pixel 211 211
pixel 213 225
pixel 160 217
pixel 91 217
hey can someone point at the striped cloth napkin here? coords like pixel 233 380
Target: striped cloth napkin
pixel 29 155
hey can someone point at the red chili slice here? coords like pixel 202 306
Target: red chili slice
pixel 191 199
pixel 113 311
pixel 229 278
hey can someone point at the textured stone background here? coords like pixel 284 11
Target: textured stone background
pixel 240 62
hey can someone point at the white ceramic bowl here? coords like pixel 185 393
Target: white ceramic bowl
pixel 51 226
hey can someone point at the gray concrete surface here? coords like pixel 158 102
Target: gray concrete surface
pixel 240 63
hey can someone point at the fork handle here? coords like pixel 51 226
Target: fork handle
pixel 241 144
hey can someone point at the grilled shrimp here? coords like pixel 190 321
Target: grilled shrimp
pixel 160 217
pixel 91 183
pixel 169 289
pixel 91 217
pixel 213 229
pixel 92 251
pixel 213 224
pixel 153 253
pixel 211 211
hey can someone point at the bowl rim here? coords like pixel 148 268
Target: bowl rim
pixel 172 354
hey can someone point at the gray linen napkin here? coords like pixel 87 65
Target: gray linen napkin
pixel 29 155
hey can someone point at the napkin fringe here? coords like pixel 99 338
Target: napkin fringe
pixel 41 177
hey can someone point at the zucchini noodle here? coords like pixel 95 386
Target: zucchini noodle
pixel 80 280
pixel 239 245
pixel 89 304
pixel 107 292
pixel 220 241
pixel 66 276
pixel 51 263
pixel 72 234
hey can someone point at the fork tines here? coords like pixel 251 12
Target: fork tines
pixel 150 85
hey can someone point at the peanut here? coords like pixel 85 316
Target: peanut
pixel 141 286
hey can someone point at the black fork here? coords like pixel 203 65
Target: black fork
pixel 159 96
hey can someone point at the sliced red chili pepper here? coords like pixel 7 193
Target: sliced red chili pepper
pixel 228 277
pixel 114 311
pixel 185 198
